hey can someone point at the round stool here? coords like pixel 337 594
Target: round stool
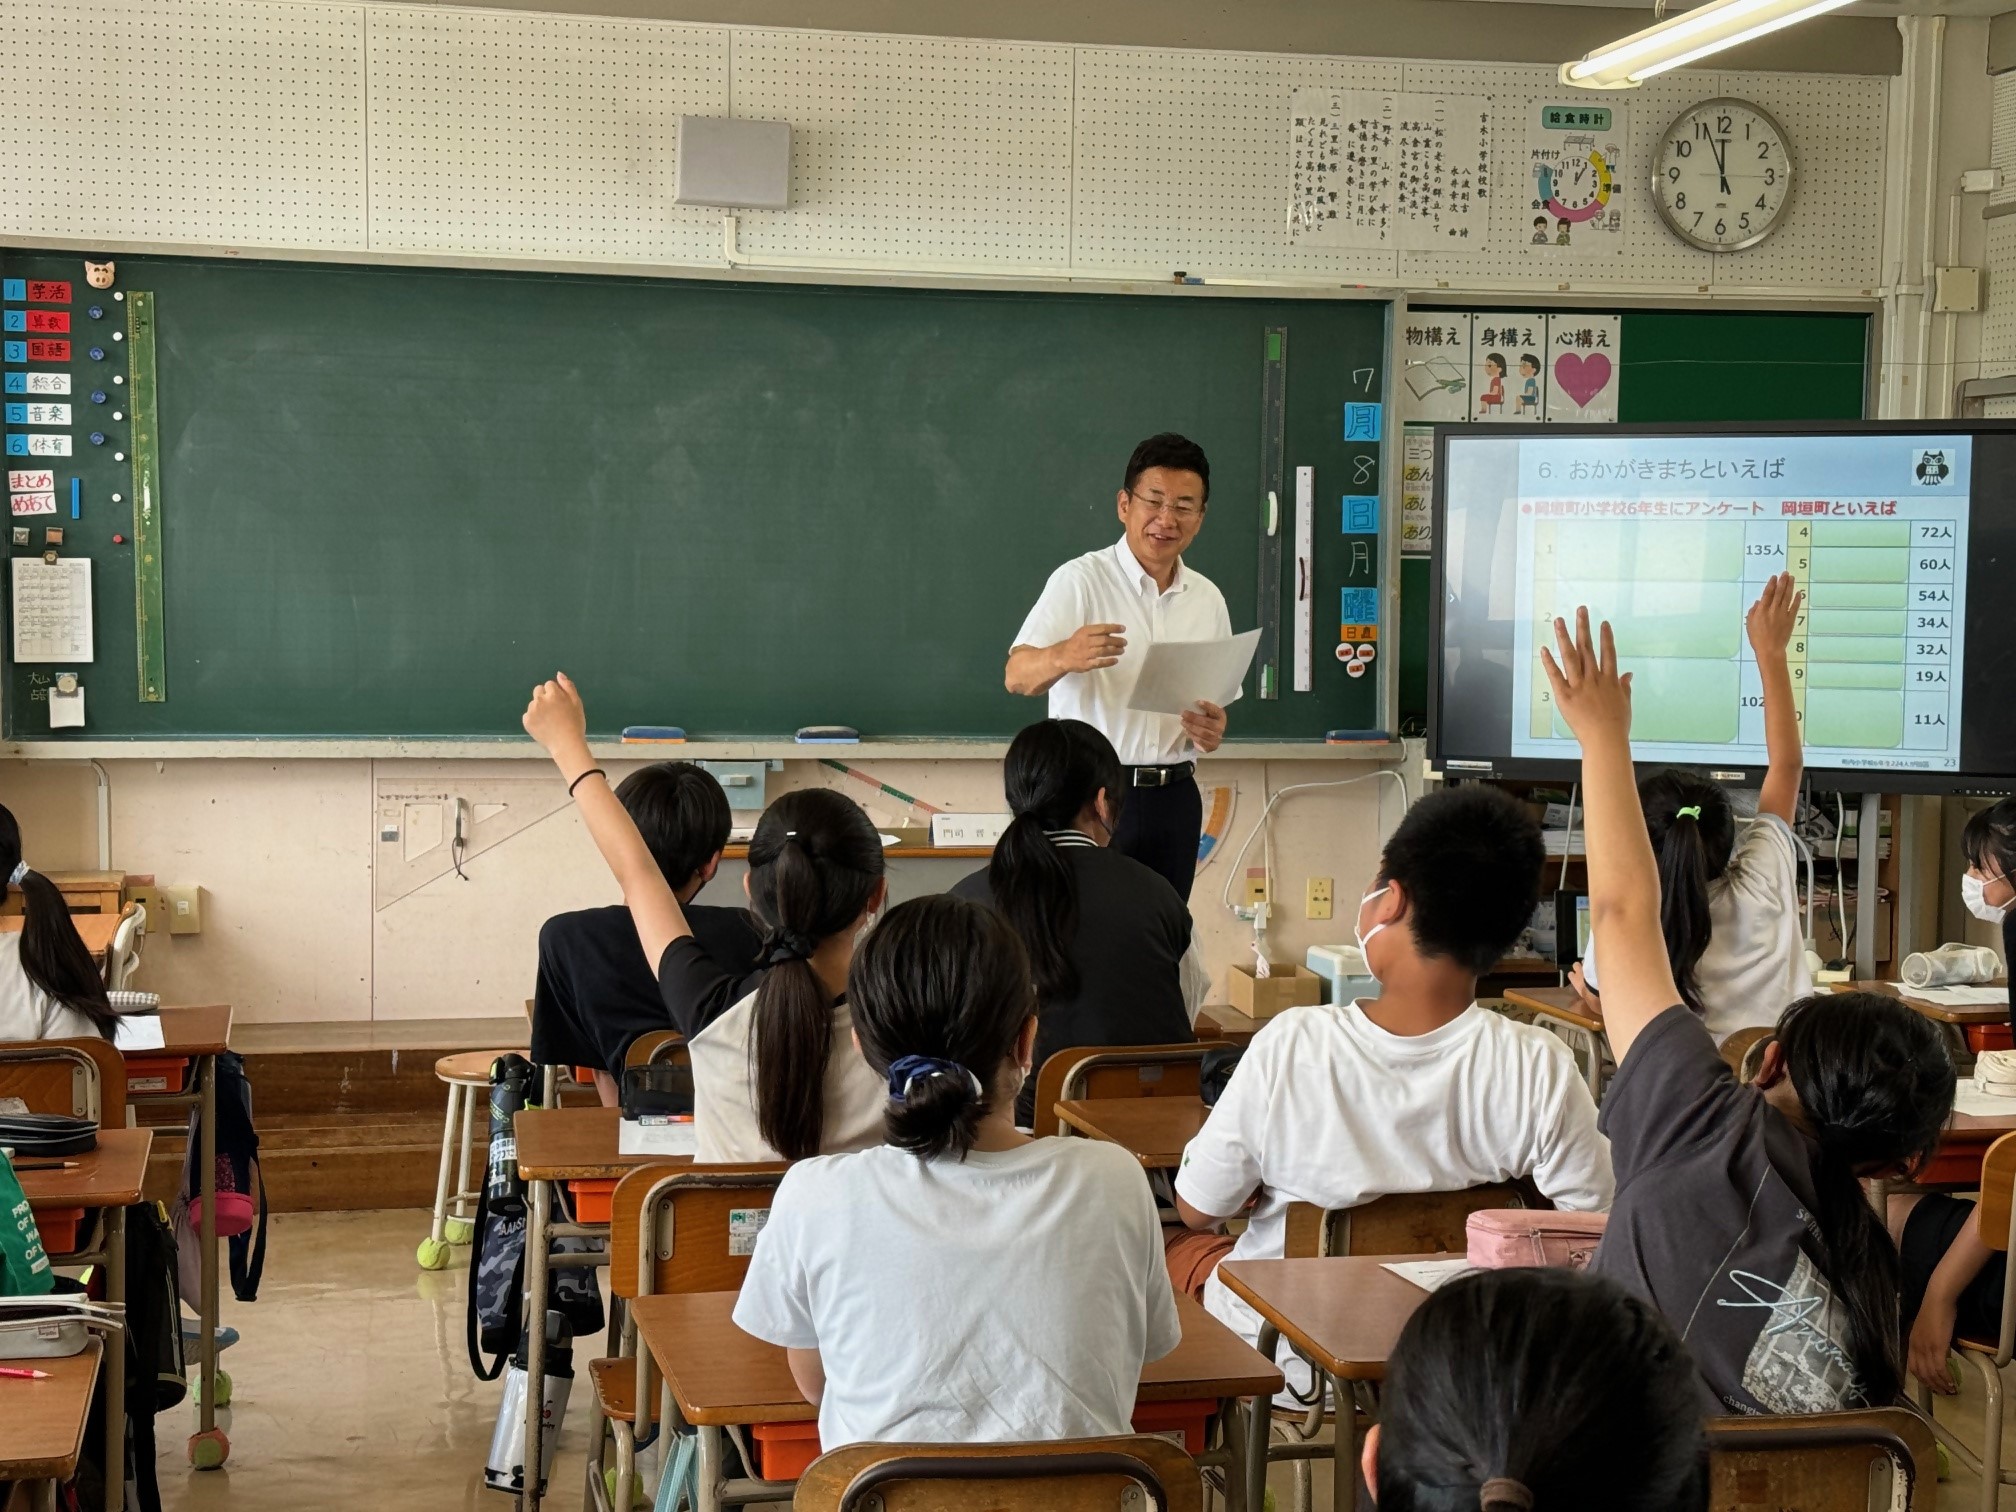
pixel 468 1077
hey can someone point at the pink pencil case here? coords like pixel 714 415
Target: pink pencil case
pixel 1505 1237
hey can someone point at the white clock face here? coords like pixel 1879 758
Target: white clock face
pixel 1722 175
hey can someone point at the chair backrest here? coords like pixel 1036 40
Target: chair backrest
pixel 1400 1223
pixel 1080 1475
pixel 657 1045
pixel 1118 1071
pixel 1743 1051
pixel 123 959
pixel 85 1078
pixel 1843 1460
pixel 687 1228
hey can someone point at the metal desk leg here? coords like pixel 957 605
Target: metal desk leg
pixel 206 1109
pixel 1260 1417
pixel 1344 1464
pixel 538 1246
pixel 710 1488
pixel 115 1364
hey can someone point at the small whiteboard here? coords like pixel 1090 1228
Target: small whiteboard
pixel 52 609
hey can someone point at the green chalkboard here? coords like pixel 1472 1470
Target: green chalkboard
pixel 393 498
pixel 1680 365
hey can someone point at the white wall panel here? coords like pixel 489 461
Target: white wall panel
pixel 219 121
pixel 1998 321
pixel 2002 141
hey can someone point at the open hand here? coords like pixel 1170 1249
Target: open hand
pixel 1593 699
pixel 1090 648
pixel 1205 725
pixel 1931 1344
pixel 1772 617
pixel 556 719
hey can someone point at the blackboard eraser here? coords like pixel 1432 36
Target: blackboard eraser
pixel 1357 737
pixel 653 735
pixel 829 735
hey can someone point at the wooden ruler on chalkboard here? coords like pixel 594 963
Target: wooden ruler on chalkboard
pixel 1273 488
pixel 149 636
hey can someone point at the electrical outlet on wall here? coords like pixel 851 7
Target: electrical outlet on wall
pixel 1318 903
pixel 1256 885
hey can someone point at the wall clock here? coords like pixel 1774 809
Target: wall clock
pixel 1722 175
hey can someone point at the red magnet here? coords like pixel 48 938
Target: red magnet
pixel 118 540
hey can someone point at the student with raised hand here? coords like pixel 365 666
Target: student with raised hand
pixel 49 985
pixel 1537 1391
pixel 963 1283
pixel 1417 1090
pixel 1108 939
pixel 1729 906
pixel 596 991
pixel 775 1071
pixel 1740 1211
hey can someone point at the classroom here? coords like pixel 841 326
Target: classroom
pixel 619 889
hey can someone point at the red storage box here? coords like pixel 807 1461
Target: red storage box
pixel 584 1076
pixel 1982 1037
pixel 783 1451
pixel 155 1075
pixel 593 1199
pixel 1185 1422
pixel 60 1229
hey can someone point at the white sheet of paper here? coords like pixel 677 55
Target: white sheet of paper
pixel 1971 1100
pixel 1429 1275
pixel 1175 675
pixel 52 609
pixel 138 1031
pixel 1959 997
pixel 634 1138
pixel 66 710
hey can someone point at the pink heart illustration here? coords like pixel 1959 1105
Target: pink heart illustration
pixel 1582 378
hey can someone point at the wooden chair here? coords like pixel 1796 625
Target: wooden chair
pixel 672 1228
pixel 1077 1475
pixel 656 1046
pixel 1400 1223
pixel 1118 1071
pixel 85 1078
pixel 1829 1460
pixel 1743 1051
pixel 1990 1357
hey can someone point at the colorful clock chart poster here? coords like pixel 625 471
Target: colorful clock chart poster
pixel 1583 353
pixel 1575 156
pixel 1508 364
pixel 1435 366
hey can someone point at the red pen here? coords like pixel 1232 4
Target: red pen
pixel 8 1372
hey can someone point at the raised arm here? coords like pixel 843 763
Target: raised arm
pixel 557 721
pixel 1770 623
pixel 1034 670
pixel 1623 877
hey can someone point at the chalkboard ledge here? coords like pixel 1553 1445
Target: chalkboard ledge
pixel 350 748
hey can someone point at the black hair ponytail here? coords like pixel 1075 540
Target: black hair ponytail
pixel 1053 772
pixel 53 955
pixel 1693 850
pixel 1543 1390
pixel 939 993
pixel 814 863
pixel 1877 1086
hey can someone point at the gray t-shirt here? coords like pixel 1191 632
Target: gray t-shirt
pixel 1712 1226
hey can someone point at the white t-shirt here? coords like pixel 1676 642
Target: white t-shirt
pixel 1755 965
pixel 28 1013
pixel 1328 1108
pixel 725 1129
pixel 1110 587
pixel 1008 1297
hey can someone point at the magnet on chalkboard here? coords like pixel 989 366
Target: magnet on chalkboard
pixel 20 535
pixel 100 271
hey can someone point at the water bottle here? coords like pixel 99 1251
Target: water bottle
pixel 505 1469
pixel 510 1090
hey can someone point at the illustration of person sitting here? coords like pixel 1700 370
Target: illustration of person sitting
pixel 1529 386
pixel 1494 390
pixel 1539 230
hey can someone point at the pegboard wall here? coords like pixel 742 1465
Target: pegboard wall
pixel 432 130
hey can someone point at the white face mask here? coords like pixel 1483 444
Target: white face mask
pixel 1365 938
pixel 1974 892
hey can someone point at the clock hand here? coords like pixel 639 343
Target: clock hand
pixel 1721 160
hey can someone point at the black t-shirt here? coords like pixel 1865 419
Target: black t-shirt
pixel 1712 1225
pixel 696 987
pixel 595 993
pixel 1132 933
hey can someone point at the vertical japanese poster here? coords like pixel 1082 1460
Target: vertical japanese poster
pixel 1435 365
pixel 1508 355
pixel 1574 155
pixel 1417 490
pixel 1406 171
pixel 1582 356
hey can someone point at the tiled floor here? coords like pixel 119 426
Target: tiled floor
pixel 352 1388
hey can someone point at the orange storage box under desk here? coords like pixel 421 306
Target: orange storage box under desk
pixel 60 1229
pixel 155 1075
pixel 594 1197
pixel 1984 1037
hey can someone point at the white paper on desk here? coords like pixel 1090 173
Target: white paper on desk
pixel 138 1031
pixel 1177 675
pixel 1971 1100
pixel 634 1138
pixel 1959 997
pixel 1429 1275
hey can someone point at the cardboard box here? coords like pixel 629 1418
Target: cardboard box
pixel 1290 986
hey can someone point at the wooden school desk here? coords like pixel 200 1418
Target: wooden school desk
pixel 96 929
pixel 191 1040
pixel 1154 1130
pixel 45 1419
pixel 109 1179
pixel 559 1144
pixel 1564 1009
pixel 1968 1027
pixel 719 1377
pixel 1228 1024
pixel 1345 1316
pixel 84 891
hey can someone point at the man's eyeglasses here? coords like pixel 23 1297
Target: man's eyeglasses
pixel 1182 513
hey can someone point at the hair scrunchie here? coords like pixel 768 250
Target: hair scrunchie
pixel 906 1071
pixel 1692 811
pixel 1503 1491
pixel 785 945
pixel 21 869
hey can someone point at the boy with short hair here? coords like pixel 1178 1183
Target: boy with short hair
pixel 596 992
pixel 1416 1090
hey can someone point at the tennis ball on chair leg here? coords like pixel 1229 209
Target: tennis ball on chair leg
pixel 433 1254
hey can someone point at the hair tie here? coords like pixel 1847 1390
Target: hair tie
pixel 906 1071
pixel 21 869
pixel 1503 1491
pixel 787 946
pixel 1692 811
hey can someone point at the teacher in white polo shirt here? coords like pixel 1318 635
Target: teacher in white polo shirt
pixel 1083 643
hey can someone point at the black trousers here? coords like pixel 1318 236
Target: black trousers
pixel 1159 827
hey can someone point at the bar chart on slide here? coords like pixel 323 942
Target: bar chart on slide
pixel 1874 654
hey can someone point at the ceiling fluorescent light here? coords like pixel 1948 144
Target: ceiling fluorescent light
pixel 1685 39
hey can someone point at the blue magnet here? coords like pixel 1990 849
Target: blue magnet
pixel 76 498
pixel 14 351
pixel 14 320
pixel 96 354
pixel 96 312
pixel 17 383
pixel 15 288
pixel 97 438
pixel 97 396
pixel 1361 514
pixel 17 414
pixel 17 446
pixel 1360 606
